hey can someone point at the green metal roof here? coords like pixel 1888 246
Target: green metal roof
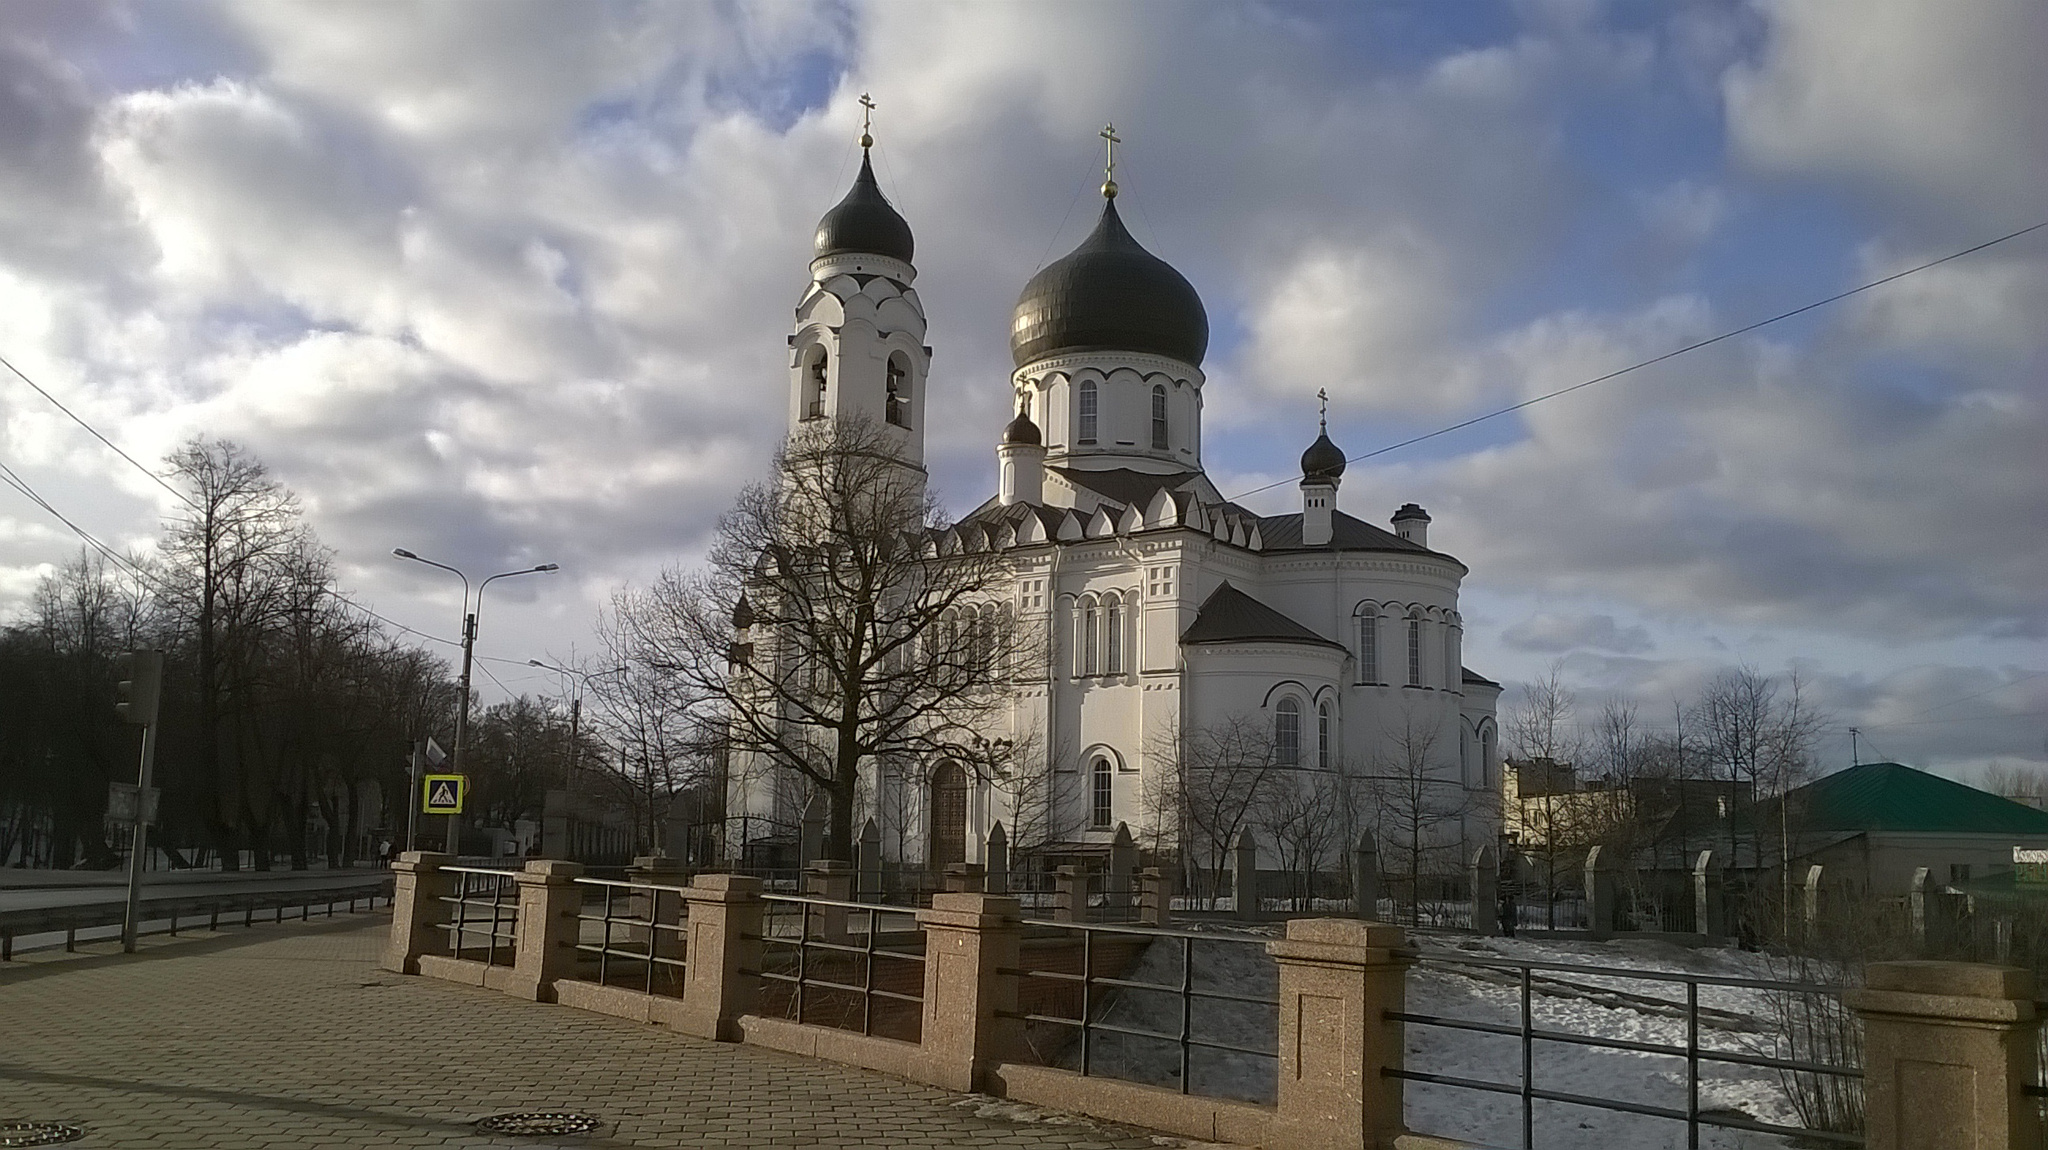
pixel 1896 797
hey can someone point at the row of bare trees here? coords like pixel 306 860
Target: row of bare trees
pixel 286 707
pixel 1745 739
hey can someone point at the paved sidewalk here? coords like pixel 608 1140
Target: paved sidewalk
pixel 289 1036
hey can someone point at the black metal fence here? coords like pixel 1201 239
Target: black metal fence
pixel 849 965
pixel 1171 1008
pixel 486 903
pixel 639 934
pixel 1529 977
pixel 170 915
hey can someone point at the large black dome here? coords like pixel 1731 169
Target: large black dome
pixel 1323 460
pixel 1109 294
pixel 863 223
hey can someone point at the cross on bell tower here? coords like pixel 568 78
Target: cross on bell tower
pixel 1109 142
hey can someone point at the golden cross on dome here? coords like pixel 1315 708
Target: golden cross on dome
pixel 1323 394
pixel 867 111
pixel 1109 142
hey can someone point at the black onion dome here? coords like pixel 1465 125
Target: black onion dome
pixel 1322 460
pixel 1022 430
pixel 863 223
pixel 1109 294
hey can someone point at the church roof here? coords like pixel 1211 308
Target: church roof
pixel 864 223
pixel 1472 676
pixel 1229 615
pixel 1283 533
pixel 1109 294
pixel 1123 485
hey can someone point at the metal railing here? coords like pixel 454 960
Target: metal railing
pixel 483 889
pixel 833 974
pixel 1693 1052
pixel 1109 1008
pixel 183 912
pixel 630 913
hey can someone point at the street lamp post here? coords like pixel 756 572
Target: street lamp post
pixel 469 617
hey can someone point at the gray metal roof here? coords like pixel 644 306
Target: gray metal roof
pixel 1229 615
pixel 863 223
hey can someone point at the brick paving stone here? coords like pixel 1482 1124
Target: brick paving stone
pixel 287 1036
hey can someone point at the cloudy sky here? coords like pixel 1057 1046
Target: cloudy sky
pixel 507 283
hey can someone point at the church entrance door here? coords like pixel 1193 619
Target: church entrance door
pixel 949 815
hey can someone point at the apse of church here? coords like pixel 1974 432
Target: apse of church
pixel 1164 606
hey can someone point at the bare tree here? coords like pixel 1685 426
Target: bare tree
pixel 1215 785
pixel 229 567
pixel 1758 739
pixel 2022 783
pixel 1540 724
pixel 664 732
pixel 1416 799
pixel 839 625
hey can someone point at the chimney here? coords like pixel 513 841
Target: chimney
pixel 1412 523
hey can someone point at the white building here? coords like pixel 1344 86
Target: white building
pixel 1166 606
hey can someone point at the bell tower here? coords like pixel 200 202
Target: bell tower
pixel 858 347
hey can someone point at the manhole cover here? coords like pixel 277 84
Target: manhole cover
pixel 535 1124
pixel 39 1133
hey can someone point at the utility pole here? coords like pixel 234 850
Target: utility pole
pixel 462 716
pixel 136 702
pixel 1855 754
pixel 412 804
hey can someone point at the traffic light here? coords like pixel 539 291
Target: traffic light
pixel 142 681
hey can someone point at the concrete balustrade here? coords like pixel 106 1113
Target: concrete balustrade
pixel 1949 1047
pixel 417 912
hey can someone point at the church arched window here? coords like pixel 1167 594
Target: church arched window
pixel 1112 635
pixel 1486 759
pixel 897 402
pixel 1287 733
pixel 1088 411
pixel 1414 649
pixel 1159 417
pixel 1323 736
pixel 814 386
pixel 1369 643
pixel 1101 793
pixel 1091 637
pixel 1453 677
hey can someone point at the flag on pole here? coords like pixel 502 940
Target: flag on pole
pixel 435 755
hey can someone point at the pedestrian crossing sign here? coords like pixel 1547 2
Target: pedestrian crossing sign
pixel 444 794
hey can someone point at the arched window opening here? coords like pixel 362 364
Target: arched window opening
pixel 897 403
pixel 814 399
pixel 1113 636
pixel 1323 736
pixel 1088 411
pixel 1369 645
pixel 1091 638
pixel 1102 795
pixel 1466 770
pixel 1287 733
pixel 1159 417
pixel 1414 651
pixel 1452 677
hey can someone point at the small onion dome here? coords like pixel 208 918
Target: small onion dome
pixel 1323 460
pixel 1109 294
pixel 1410 511
pixel 863 223
pixel 742 614
pixel 1022 431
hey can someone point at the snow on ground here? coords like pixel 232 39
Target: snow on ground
pixel 1604 1005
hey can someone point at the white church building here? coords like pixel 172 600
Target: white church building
pixel 1165 606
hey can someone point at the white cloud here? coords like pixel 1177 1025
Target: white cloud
pixel 1549 633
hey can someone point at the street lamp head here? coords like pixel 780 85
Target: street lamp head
pixel 537 663
pixel 402 553
pixel 549 567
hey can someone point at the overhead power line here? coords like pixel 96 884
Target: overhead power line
pixel 1726 335
pixel 80 421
